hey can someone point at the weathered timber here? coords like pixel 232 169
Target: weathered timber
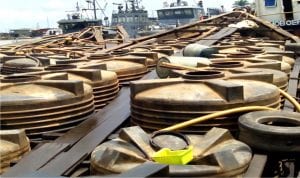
pixel 257 166
pixel 148 169
pixel 210 40
pixel 293 85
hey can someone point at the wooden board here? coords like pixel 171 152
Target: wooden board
pixel 293 85
pixel 212 39
pixel 35 159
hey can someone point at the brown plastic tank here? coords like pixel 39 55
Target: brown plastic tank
pixel 44 106
pixel 127 70
pixel 156 104
pixel 215 154
pixel 14 145
pixel 105 84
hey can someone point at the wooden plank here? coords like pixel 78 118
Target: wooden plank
pixel 35 159
pixel 256 166
pixel 148 169
pixel 74 135
pixel 98 35
pixel 123 33
pixel 210 40
pixel 293 85
pixel 117 112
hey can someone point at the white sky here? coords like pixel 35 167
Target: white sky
pixel 40 13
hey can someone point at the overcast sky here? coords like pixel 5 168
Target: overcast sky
pixel 45 13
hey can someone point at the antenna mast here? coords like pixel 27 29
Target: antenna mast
pixel 94 8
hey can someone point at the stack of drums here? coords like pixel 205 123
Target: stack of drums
pixel 44 106
pixel 258 63
pixel 99 56
pixel 249 54
pixel 127 70
pixel 280 79
pixel 14 145
pixel 151 57
pixel 278 57
pixel 18 64
pixel 105 84
pixel 237 71
pixel 150 62
pixel 138 54
pixel 157 104
pixel 258 53
pixel 147 49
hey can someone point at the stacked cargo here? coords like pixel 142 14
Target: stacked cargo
pixel 197 120
pixel 47 105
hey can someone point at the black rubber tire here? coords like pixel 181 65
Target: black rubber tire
pixel 268 137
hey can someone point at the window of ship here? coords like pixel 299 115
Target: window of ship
pixel 160 14
pixel 176 14
pixel 169 13
pixel 143 19
pixel 136 18
pixel 115 20
pixel 122 19
pixel 129 19
pixel 270 3
pixel 188 12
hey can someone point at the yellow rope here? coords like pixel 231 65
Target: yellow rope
pixel 291 99
pixel 215 115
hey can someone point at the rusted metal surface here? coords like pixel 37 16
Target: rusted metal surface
pixel 147 169
pixel 293 82
pixel 256 166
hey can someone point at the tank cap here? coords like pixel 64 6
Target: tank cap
pixel 229 64
pixel 19 78
pixel 203 74
pixel 60 67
